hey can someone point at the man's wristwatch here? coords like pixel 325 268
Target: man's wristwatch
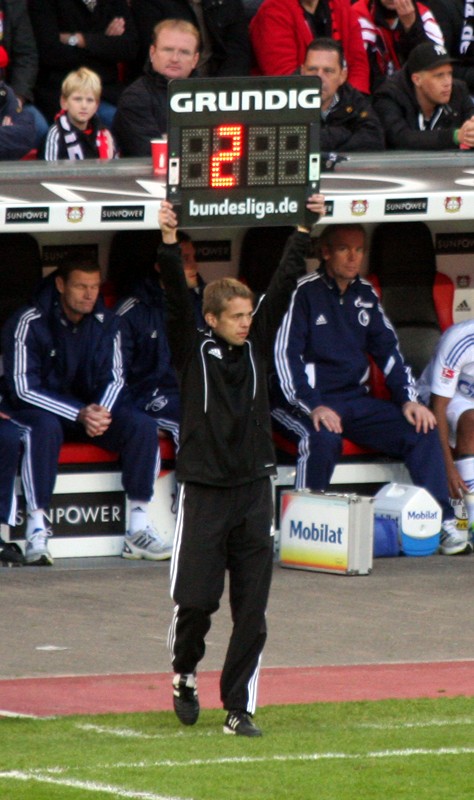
pixel 73 40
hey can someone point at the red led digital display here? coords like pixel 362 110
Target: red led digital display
pixel 229 156
pixel 225 161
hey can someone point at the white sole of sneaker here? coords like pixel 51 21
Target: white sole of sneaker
pixel 458 551
pixel 136 556
pixel 39 561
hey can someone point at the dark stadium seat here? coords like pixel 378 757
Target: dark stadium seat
pixel 21 271
pixel 260 254
pixel 417 299
pixel 132 254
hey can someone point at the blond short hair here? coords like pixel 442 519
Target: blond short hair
pixel 176 25
pixel 220 292
pixel 82 80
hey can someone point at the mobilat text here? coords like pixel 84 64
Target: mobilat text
pixel 246 100
pixel 314 533
pixel 422 514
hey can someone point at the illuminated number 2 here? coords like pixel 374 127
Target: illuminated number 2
pixel 225 162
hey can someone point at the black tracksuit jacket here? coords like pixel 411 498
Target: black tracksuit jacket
pixel 225 433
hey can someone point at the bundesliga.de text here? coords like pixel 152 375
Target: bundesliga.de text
pixel 249 207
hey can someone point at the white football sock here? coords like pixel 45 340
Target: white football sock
pixel 34 520
pixel 138 516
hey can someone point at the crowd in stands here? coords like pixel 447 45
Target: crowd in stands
pixel 42 42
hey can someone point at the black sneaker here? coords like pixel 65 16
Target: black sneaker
pixel 11 554
pixel 240 723
pixel 185 698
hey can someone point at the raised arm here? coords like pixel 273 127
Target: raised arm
pixel 180 316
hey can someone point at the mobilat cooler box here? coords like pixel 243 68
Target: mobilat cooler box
pixel 326 532
pixel 417 514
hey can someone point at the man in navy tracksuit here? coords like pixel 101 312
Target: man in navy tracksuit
pixel 224 464
pixel 62 360
pixel 150 374
pixel 334 322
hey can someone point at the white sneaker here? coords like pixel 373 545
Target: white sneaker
pixel 453 542
pixel 36 552
pixel 147 544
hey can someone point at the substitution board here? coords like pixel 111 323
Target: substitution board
pixel 243 151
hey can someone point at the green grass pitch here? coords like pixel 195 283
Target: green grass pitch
pixel 404 749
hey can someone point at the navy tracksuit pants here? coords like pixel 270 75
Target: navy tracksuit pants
pixel 369 422
pixel 133 434
pixel 32 436
pixel 10 450
pixel 39 435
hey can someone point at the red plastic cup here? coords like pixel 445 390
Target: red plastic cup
pixel 159 154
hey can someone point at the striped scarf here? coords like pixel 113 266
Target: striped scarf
pixel 73 145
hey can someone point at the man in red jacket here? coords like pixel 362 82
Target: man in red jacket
pixel 281 31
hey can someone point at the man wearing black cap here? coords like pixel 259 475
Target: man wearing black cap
pixel 422 107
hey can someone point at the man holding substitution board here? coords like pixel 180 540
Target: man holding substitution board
pixel 224 464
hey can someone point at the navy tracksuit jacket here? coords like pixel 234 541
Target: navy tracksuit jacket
pixel 55 367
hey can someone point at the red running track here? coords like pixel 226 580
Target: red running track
pixel 104 694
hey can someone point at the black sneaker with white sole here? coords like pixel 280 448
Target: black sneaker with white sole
pixel 185 698
pixel 11 554
pixel 240 723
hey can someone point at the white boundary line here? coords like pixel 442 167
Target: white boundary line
pixel 87 786
pixel 129 733
pixel 17 715
pixel 434 723
pixel 42 776
pixel 200 762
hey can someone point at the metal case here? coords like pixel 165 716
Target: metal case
pixel 326 532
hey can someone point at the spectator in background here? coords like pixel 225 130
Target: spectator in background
pixel 17 37
pixel 456 18
pixel 223 27
pixel 449 15
pixel 142 113
pixel 390 30
pixel 17 127
pixel 98 34
pixel 422 107
pixel 281 30
pixel 348 122
pixel 78 132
